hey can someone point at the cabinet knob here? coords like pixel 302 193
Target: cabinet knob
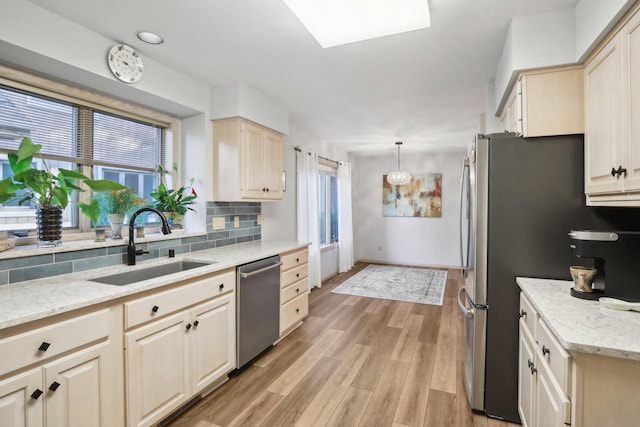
pixel 54 386
pixel 523 314
pixel 264 189
pixel 44 346
pixel 297 259
pixel 221 286
pixel 188 326
pixel 613 172
pixel 297 290
pixel 36 394
pixel 267 190
pixel 196 323
pixel 155 308
pixel 545 350
pixel 297 310
pixel 297 274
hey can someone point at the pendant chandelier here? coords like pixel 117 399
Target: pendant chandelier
pixel 398 177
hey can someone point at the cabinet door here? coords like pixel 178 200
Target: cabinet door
pixel 553 408
pixel 604 87
pixel 157 366
pixel 77 393
pixel 273 165
pixel 631 33
pixel 526 378
pixel 213 341
pixel 17 407
pixel 252 163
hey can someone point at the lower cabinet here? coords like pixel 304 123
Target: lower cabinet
pixel 77 384
pixel 544 374
pixel 172 359
pixel 294 289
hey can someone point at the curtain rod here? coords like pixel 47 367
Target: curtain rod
pixel 299 150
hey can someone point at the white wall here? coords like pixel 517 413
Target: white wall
pixel 241 100
pixel 595 18
pixel 402 240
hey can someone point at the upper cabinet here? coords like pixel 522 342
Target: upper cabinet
pixel 612 110
pixel 546 102
pixel 248 161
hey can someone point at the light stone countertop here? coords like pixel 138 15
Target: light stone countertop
pixel 581 325
pixel 24 302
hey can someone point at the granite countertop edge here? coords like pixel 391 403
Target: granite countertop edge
pixel 33 300
pixel 583 326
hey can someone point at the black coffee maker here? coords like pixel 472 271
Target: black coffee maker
pixel 616 256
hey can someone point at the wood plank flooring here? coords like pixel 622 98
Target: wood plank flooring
pixel 355 361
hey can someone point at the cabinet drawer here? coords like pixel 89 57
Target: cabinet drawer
pixel 528 314
pixel 553 354
pixel 43 343
pixel 292 259
pixel 294 275
pixel 292 291
pixel 293 311
pixel 157 305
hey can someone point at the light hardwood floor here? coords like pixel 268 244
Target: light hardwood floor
pixel 355 361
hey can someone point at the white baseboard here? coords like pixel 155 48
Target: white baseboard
pixel 376 261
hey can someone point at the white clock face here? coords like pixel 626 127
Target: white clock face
pixel 125 63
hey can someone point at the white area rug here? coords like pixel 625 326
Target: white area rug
pixel 397 283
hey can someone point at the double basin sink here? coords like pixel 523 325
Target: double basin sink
pixel 135 276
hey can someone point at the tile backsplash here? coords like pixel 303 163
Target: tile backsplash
pixel 35 267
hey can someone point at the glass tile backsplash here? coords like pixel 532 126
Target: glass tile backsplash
pixel 35 267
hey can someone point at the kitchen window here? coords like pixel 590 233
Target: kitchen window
pixel 76 133
pixel 328 203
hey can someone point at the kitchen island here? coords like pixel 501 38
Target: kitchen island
pixel 579 361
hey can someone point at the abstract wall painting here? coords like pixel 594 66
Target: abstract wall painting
pixel 421 197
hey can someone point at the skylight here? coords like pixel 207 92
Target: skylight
pixel 337 22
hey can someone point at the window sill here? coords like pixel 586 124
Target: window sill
pixel 71 243
pixel 329 247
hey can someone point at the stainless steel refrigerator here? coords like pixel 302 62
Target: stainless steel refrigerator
pixel 519 198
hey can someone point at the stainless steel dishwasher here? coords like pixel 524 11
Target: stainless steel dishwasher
pixel 258 308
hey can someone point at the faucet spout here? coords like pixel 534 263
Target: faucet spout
pixel 131 247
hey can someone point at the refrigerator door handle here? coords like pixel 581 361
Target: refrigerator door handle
pixel 468 312
pixel 465 173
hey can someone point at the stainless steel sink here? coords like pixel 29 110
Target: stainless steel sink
pixel 135 276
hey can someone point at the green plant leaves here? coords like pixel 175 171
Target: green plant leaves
pixel 91 210
pixel 27 149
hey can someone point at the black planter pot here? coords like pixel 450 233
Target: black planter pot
pixel 49 221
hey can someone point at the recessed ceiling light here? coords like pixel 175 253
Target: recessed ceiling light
pixel 336 22
pixel 149 37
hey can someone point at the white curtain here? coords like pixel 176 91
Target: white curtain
pixel 308 226
pixel 345 218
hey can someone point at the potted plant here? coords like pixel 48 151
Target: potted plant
pixel 118 204
pixel 174 203
pixel 49 191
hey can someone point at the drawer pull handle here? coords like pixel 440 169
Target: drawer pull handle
pixel 297 310
pixel 297 274
pixel 523 314
pixel 188 326
pixel 529 363
pixel 44 346
pixel 36 394
pixel 54 386
pixel 155 308
pixel 545 350
pixel 221 286
pixel 297 290
pixel 297 259
pixel 531 366
pixel 196 323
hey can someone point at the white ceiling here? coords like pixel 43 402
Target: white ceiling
pixel 425 87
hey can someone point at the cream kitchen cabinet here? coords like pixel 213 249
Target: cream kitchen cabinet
pixel 294 289
pixel 181 341
pixel 612 109
pixel 66 371
pixel 545 102
pixel 543 375
pixel 248 159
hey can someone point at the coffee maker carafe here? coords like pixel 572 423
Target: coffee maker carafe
pixel 616 257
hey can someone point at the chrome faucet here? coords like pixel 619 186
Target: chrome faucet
pixel 131 248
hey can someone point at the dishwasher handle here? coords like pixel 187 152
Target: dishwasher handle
pixel 269 267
